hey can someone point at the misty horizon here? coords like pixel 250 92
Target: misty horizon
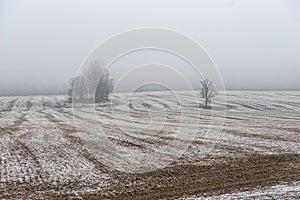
pixel 43 44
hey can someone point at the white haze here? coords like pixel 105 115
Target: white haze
pixel 254 43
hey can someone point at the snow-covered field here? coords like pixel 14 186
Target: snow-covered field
pixel 250 141
pixel 282 191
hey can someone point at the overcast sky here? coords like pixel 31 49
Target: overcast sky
pixel 255 43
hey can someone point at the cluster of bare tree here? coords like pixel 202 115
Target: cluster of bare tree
pixel 94 83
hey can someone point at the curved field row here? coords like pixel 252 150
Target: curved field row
pixel 252 136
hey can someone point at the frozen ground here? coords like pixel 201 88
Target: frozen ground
pixel 283 191
pixel 43 155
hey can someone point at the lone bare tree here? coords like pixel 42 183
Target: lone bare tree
pixel 208 91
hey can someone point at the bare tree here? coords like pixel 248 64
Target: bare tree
pixel 95 82
pixel 104 87
pixel 208 91
pixel 92 75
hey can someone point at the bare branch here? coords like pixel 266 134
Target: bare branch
pixel 207 91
